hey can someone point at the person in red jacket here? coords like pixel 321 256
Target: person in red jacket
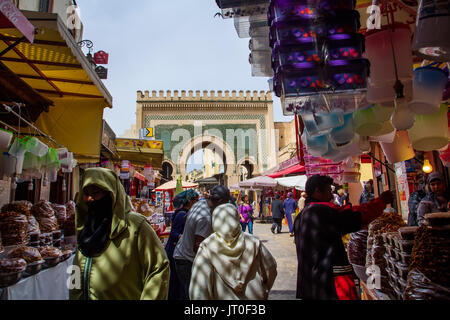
pixel 324 272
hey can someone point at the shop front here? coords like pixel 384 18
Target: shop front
pixel 52 105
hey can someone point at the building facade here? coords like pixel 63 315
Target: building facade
pixel 66 9
pixel 236 127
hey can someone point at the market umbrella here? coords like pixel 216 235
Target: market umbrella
pixel 179 187
pixel 234 187
pixel 171 185
pixel 258 182
pixel 297 182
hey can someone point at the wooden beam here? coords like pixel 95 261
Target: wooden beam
pixel 26 76
pixel 47 63
pixel 36 41
pixel 36 69
pixel 74 94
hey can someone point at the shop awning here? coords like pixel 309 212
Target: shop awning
pixel 294 169
pixel 55 67
pixel 140 152
pixel 258 182
pixel 12 17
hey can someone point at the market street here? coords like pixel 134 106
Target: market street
pixel 282 247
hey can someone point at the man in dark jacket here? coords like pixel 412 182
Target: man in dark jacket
pixel 324 271
pixel 277 214
pixel 414 200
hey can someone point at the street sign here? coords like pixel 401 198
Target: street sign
pixel 102 72
pixel 101 57
pixel 145 133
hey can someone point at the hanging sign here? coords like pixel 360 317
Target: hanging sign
pixel 101 57
pixel 102 72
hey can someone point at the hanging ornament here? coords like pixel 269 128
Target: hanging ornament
pixel 402 118
pixel 364 145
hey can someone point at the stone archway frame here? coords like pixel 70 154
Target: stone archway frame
pixel 174 166
pixel 252 161
pixel 199 141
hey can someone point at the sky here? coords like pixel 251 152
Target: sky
pixel 166 45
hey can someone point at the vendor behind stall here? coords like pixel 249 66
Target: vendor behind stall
pixel 437 200
pixel 324 271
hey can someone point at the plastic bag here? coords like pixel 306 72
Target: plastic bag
pixel 33 225
pixel 14 229
pixel 45 215
pixel 419 287
pixel 69 224
pixel 43 209
pixel 60 213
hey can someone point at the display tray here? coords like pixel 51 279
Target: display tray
pixel 9 279
pixel 405 258
pixel 396 254
pixel 33 268
pixel 406 246
pixel 407 233
pixel 51 262
pixel 402 270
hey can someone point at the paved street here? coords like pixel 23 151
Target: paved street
pixel 282 247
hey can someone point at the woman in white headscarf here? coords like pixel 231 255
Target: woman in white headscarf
pixel 231 264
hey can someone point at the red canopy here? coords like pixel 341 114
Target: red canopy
pixel 294 169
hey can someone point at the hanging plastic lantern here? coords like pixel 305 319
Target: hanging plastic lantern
pixel 402 118
pixel 400 149
pixel 379 52
pixel 365 122
pixel 431 37
pixel 430 131
pixel 345 133
pixel 429 83
pixel 5 138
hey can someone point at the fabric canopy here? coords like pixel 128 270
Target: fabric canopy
pixel 56 67
pixel 140 152
pixel 210 180
pixel 294 169
pixel 173 184
pixel 297 182
pixel 261 181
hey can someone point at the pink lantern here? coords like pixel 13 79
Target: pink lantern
pixel 379 53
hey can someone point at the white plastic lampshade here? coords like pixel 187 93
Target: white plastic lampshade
pixel 402 118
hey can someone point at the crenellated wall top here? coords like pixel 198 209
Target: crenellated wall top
pixel 205 95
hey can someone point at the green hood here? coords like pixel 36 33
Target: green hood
pixel 109 181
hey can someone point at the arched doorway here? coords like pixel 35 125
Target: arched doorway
pixel 218 147
pixel 167 172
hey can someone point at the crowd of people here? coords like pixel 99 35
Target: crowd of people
pixel 212 253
